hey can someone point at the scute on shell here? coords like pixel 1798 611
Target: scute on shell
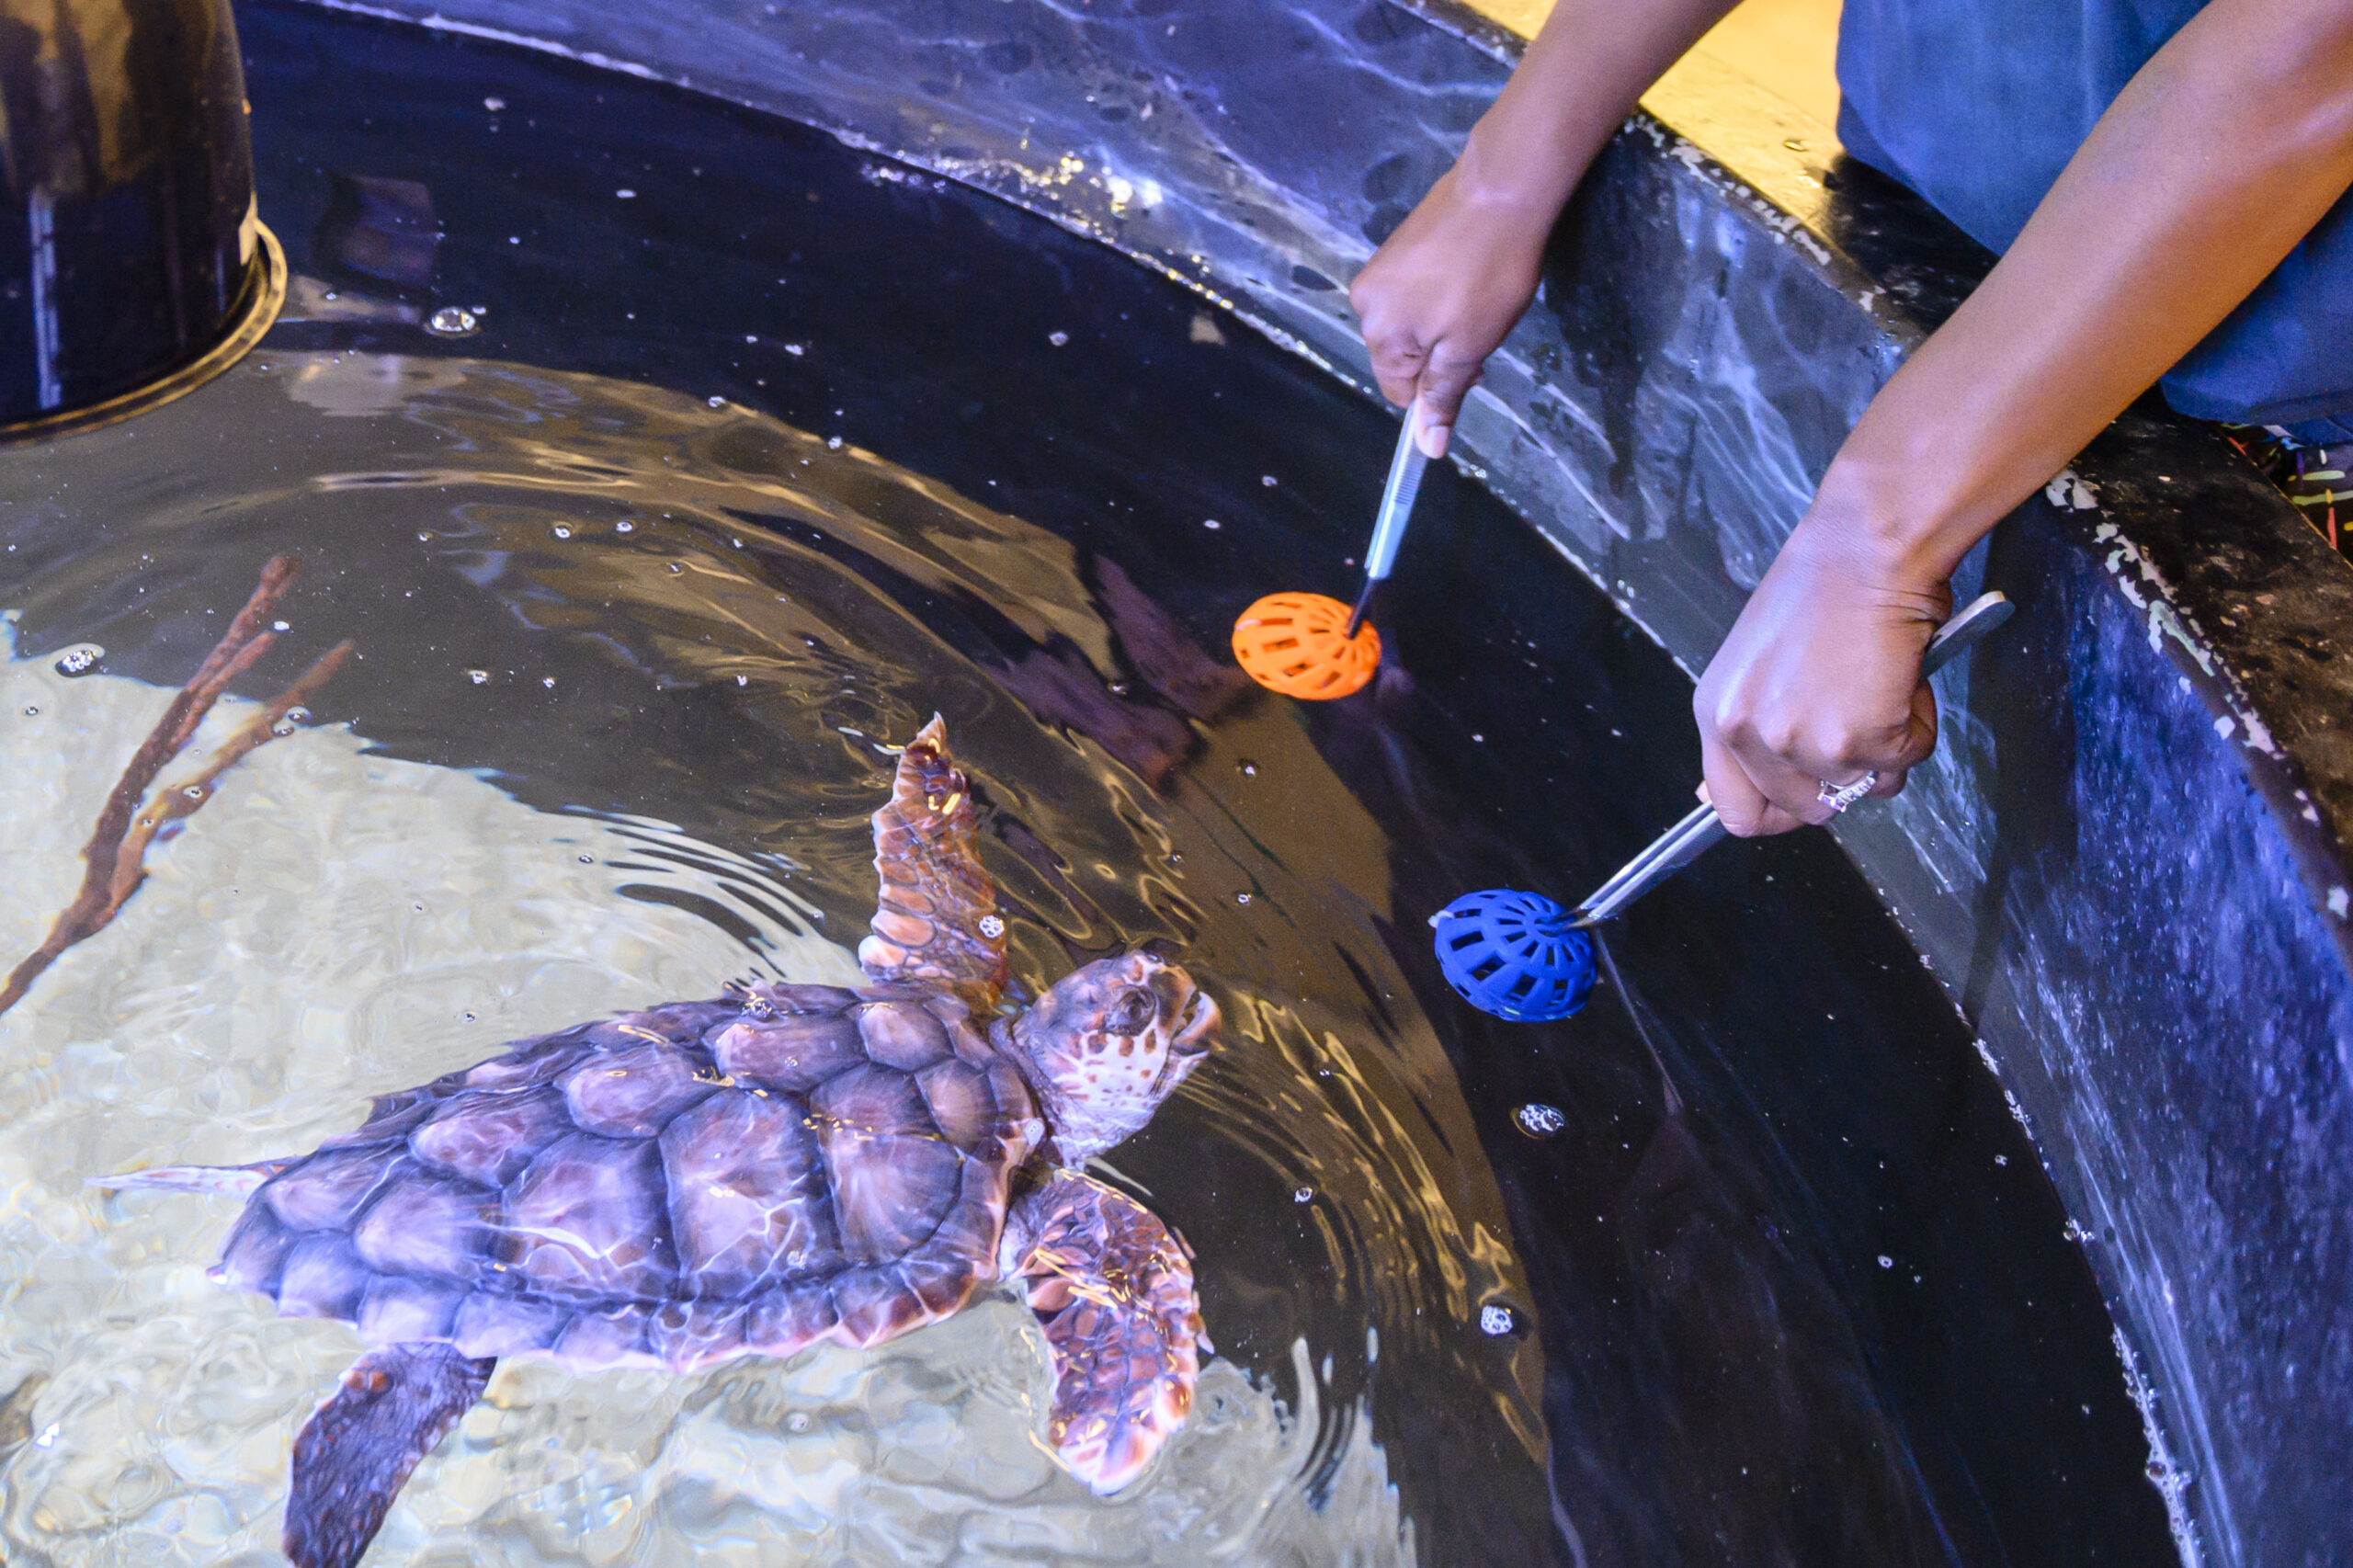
pixel 749 1197
pixel 587 1221
pixel 634 1090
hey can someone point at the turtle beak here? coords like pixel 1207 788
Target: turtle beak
pixel 1197 1036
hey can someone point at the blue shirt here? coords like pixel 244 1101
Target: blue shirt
pixel 1978 103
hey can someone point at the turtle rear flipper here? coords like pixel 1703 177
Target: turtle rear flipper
pixel 937 918
pixel 1114 1289
pixel 357 1450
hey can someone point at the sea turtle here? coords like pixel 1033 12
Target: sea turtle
pixel 745 1177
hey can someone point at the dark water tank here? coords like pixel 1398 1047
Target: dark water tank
pixel 129 252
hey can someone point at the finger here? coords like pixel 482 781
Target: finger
pixel 1794 783
pixel 1447 379
pixel 1747 812
pixel 1397 362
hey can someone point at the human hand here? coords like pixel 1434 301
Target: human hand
pixel 1819 680
pixel 1446 288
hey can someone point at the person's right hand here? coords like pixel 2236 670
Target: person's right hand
pixel 1441 294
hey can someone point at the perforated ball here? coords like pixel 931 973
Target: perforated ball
pixel 1297 644
pixel 1515 955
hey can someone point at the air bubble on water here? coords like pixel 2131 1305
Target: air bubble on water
pixel 423 537
pixel 625 195
pixel 470 1017
pixel 992 927
pixel 31 711
pixel 1120 689
pixel 718 402
pixel 1249 768
pixel 1058 338
pixel 797 1422
pixel 279 625
pixel 80 659
pixel 834 443
pixel 494 105
pixel 1211 523
pixel 624 527
pixel 587 859
pixel 480 677
pixel 1885 1261
pixel 2001 1159
pixel 1241 898
pixel 1303 1195
pixel 48 1436
pixel 1268 479
pixel 453 321
pixel 675 567
pixel 562 532
pixel 794 349
pixel 1497 1320
pixel 548 681
pixel 1540 1120
pixel 742 680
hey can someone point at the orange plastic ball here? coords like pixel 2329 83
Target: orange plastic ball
pixel 1297 644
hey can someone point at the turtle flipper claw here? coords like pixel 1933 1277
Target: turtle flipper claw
pixel 357 1450
pixel 935 918
pixel 1114 1289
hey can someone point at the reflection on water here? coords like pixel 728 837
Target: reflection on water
pixel 631 665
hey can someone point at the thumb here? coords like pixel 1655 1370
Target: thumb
pixel 1448 376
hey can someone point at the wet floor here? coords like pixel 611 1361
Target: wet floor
pixel 759 451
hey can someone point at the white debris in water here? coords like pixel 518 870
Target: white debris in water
pixel 718 402
pixel 480 677
pixel 2338 901
pixel 1211 523
pixel 1058 338
pixel 1497 1320
pixel 794 349
pixel 625 195
pixel 494 105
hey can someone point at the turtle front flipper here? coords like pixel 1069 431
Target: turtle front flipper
pixel 357 1450
pixel 1114 1289
pixel 936 918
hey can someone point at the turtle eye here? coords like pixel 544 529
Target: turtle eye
pixel 1130 1013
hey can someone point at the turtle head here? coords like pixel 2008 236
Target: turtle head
pixel 1107 1044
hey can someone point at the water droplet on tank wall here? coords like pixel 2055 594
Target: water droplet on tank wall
pixel 451 322
pixel 80 659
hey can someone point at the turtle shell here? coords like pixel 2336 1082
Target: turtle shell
pixel 671 1187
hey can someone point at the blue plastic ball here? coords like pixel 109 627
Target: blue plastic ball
pixel 1515 955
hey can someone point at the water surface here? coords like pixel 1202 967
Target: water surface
pixel 743 475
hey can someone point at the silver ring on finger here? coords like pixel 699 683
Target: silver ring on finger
pixel 1838 797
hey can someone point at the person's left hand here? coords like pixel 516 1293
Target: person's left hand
pixel 1818 682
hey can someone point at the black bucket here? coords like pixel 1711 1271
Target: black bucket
pixel 132 265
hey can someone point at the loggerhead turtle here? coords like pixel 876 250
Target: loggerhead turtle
pixel 705 1180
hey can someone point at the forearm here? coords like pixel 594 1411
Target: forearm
pixel 1582 76
pixel 2216 159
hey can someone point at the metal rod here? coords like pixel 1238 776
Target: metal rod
pixel 1703 829
pixel 1396 509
